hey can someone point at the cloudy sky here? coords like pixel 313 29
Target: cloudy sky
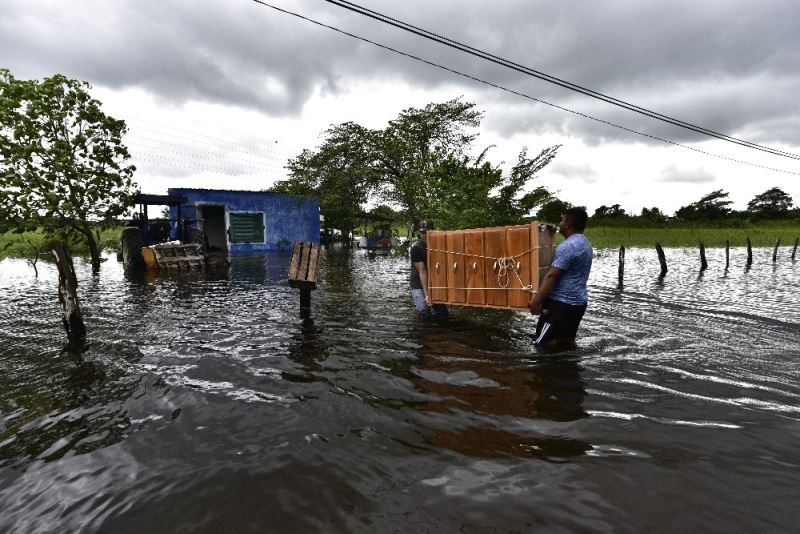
pixel 220 93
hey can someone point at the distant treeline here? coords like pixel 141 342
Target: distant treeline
pixel 712 210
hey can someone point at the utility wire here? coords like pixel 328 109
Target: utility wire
pixel 167 146
pixel 202 157
pixel 209 140
pixel 230 167
pixel 350 6
pixel 502 88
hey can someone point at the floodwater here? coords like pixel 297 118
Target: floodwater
pixel 202 403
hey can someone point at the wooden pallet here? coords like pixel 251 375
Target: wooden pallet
pixel 304 265
pixel 182 257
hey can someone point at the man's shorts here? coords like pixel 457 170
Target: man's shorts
pixel 558 321
pixel 423 311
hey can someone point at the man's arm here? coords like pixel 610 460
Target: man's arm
pixel 547 285
pixel 422 269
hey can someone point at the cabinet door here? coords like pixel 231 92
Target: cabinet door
pixel 546 238
pixel 494 244
pixel 475 268
pixel 456 294
pixel 520 249
pixel 437 266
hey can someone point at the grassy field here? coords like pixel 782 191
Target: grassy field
pixel 23 244
pixel 760 236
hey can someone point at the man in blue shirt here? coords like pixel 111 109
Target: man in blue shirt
pixel 561 299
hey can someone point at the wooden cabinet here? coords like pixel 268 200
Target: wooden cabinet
pixel 496 267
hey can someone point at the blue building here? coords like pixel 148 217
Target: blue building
pixel 248 221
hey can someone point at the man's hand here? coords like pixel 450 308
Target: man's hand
pixel 428 300
pixel 548 283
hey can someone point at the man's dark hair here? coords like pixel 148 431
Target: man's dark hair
pixel 576 217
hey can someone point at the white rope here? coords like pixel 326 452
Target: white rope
pixel 524 288
pixel 486 257
pixel 503 265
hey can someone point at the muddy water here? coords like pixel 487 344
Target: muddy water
pixel 201 403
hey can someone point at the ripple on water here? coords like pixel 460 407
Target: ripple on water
pixel 202 402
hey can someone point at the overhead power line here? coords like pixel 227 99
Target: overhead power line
pixel 350 6
pixel 169 145
pixel 518 93
pixel 191 135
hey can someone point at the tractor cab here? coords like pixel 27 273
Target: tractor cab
pixel 142 233
pixel 377 236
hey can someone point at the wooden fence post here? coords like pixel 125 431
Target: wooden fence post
pixel 749 253
pixel 661 259
pixel 794 250
pixel 305 303
pixel 727 253
pixel 703 262
pixel 775 250
pixel 68 292
pixel 621 269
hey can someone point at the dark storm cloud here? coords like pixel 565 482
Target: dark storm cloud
pixel 729 66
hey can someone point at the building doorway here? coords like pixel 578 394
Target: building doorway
pixel 212 222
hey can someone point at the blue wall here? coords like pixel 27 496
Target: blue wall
pixel 287 218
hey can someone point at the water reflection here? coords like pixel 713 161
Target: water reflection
pixel 76 413
pixel 233 396
pixel 509 405
pixel 308 349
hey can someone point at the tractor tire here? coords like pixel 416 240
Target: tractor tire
pixel 132 243
pixel 195 235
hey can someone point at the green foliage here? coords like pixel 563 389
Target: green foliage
pixel 419 163
pixel 551 211
pixel 710 207
pixel 62 161
pixel 771 204
pixel 609 212
pixel 653 215
pixel 19 243
pixel 470 194
pixel 386 212
pixel 339 174
pixel 408 151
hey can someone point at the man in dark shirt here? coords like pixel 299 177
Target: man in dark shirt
pixel 561 299
pixel 419 275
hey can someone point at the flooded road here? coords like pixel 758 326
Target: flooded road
pixel 202 403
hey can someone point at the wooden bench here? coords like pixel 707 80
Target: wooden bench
pixel 303 272
pixel 304 265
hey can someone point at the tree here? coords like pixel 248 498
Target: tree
pixel 339 174
pixel 409 149
pixel 419 164
pixel 552 211
pixel 653 215
pixel 771 204
pixel 710 207
pixel 468 193
pixel 62 161
pixel 609 212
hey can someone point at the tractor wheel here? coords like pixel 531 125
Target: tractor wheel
pixel 132 243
